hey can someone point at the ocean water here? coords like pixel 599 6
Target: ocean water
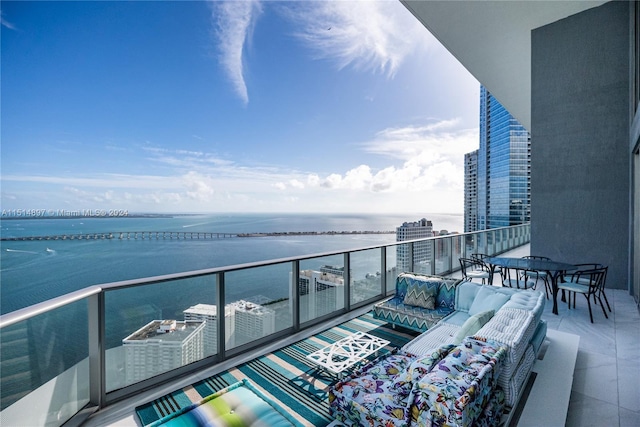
pixel 34 271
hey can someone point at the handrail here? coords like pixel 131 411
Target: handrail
pixel 36 309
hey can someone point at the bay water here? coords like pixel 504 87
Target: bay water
pixel 38 270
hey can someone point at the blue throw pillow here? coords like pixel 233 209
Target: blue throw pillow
pixel 422 294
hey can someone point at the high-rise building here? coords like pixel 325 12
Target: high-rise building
pixel 504 167
pixel 160 346
pixel 252 321
pixel 471 191
pixel 420 263
pixel 209 313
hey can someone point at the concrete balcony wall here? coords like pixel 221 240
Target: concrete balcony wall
pixel 580 157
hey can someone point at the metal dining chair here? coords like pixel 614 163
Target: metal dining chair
pixel 593 265
pixel 587 281
pixel 474 269
pixel 538 274
pixel 517 278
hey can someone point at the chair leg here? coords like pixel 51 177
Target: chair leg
pixel 546 286
pixel 589 304
pixel 606 300
pixel 603 310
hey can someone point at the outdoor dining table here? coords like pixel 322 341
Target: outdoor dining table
pixel 553 269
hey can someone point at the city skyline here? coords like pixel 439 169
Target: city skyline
pixel 231 107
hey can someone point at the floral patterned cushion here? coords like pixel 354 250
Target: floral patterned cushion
pixel 457 389
pixel 374 394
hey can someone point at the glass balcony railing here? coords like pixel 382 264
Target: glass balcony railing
pixel 108 342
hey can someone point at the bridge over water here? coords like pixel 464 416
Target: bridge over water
pixel 127 235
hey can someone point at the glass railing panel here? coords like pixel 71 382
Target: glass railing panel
pixel 366 275
pixel 392 268
pixel 257 303
pixel 152 329
pixel 423 257
pixel 482 244
pixel 44 367
pixel 505 239
pixel 457 243
pixel 442 248
pixel 404 258
pixel 491 246
pixel 321 286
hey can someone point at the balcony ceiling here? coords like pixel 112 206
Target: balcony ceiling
pixel 492 40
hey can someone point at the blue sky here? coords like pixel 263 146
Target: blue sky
pixel 242 106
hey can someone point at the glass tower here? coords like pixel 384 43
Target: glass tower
pixel 504 167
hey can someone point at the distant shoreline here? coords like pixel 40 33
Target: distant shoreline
pixel 310 233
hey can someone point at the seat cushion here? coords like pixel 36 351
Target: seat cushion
pixel 410 316
pixel 439 335
pixel 514 329
pixel 240 404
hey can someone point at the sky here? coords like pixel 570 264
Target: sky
pixel 239 106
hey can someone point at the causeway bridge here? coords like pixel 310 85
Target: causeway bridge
pixel 128 235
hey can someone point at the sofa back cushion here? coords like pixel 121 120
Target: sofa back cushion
pixel 488 299
pixel 447 293
pixel 446 287
pixel 465 295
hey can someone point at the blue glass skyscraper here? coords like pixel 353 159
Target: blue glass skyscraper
pixel 504 167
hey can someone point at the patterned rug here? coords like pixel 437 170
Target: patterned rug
pixel 285 376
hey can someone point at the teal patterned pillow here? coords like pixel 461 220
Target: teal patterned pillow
pixel 422 294
pixel 447 293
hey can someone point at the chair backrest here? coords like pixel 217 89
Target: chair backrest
pixel 479 257
pixel 469 264
pixel 537 257
pixel 593 277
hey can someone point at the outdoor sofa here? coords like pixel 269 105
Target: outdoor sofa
pixel 475 354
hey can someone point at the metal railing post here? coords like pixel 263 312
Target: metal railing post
pixel 220 316
pixel 383 270
pixel 346 277
pixel 294 294
pixel 96 330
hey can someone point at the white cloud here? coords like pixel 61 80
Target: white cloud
pixel 199 187
pixel 6 23
pixel 432 157
pixel 233 22
pixel 296 184
pixel 418 163
pixel 368 35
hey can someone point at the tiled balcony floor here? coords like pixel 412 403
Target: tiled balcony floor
pixel 605 390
